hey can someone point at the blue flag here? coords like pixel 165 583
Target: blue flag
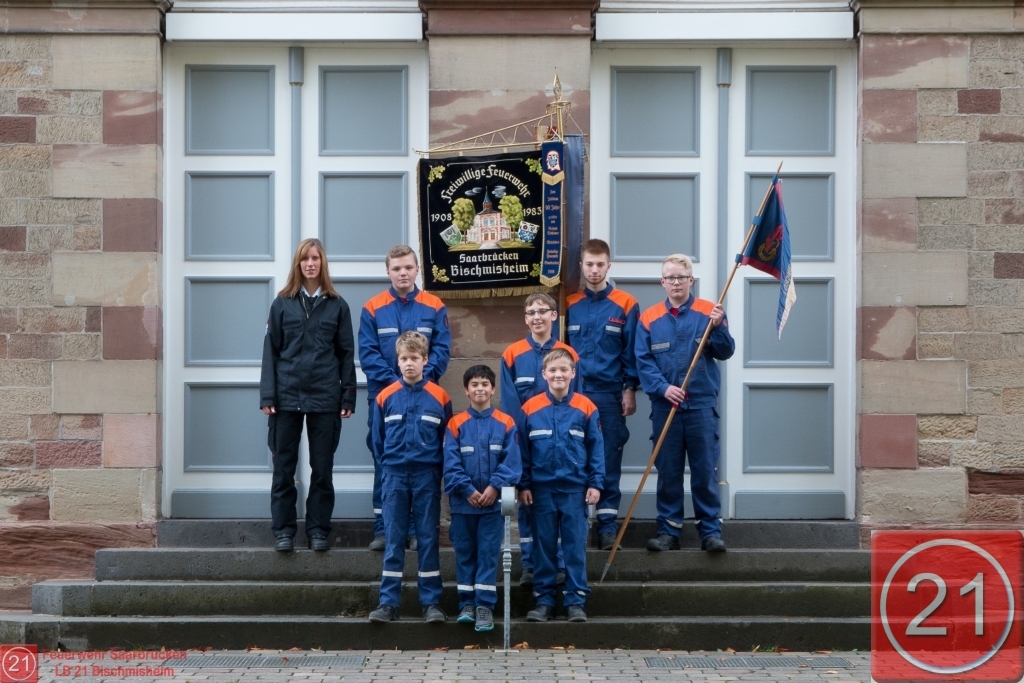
pixel 769 250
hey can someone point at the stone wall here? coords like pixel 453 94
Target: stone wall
pixel 80 207
pixel 941 323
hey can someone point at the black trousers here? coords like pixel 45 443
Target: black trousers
pixel 323 431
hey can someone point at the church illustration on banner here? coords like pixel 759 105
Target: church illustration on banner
pixel 489 229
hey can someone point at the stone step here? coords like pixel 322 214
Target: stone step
pixel 355 599
pixel 333 633
pixel 258 564
pixel 737 533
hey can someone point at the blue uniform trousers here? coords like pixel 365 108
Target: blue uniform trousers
pixel 693 435
pixel 613 428
pixel 526 535
pixel 411 495
pixel 378 512
pixel 477 542
pixel 560 515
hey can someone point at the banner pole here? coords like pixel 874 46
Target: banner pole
pixel 686 382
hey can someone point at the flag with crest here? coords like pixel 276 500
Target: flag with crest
pixel 769 250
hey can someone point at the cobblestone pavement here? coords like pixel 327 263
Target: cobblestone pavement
pixel 485 666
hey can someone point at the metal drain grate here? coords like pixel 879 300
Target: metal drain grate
pixel 267 662
pixel 706 662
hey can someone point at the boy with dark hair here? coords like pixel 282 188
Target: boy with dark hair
pixel 521 380
pixel 563 471
pixel 481 455
pixel 409 418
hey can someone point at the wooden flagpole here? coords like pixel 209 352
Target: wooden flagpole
pixel 686 382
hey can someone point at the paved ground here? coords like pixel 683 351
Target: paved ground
pixel 486 666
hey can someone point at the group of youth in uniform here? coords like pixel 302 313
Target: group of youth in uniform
pixel 558 437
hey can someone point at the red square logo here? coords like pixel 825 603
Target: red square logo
pixel 19 663
pixel 945 605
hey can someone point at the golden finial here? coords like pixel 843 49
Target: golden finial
pixel 557 88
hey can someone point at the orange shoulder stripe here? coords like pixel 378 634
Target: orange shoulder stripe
pixel 429 299
pixel 456 422
pixel 379 301
pixel 387 391
pixel 536 403
pixel 573 298
pixel 503 419
pixel 437 392
pixel 652 314
pixel 625 300
pixel 702 306
pixel 515 350
pixel 566 347
pixel 582 403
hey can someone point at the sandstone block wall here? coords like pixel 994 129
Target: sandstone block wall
pixel 80 331
pixel 941 362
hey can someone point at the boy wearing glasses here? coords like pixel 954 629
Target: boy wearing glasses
pixel 666 339
pixel 521 380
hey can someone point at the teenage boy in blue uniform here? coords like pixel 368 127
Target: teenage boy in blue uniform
pixel 602 330
pixel 409 418
pixel 666 340
pixel 403 307
pixel 521 380
pixel 563 471
pixel 481 455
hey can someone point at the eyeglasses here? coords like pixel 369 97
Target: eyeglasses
pixel 676 279
pixel 538 311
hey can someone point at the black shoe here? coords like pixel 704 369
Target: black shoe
pixel 663 542
pixel 467 615
pixel 384 614
pixel 377 543
pixel 560 577
pixel 412 544
pixel 319 543
pixel 432 614
pixel 606 541
pixel 284 544
pixel 526 578
pixel 575 613
pixel 713 544
pixel 540 613
pixel 484 619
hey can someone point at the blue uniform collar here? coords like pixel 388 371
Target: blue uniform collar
pixel 597 296
pixel 545 347
pixel 682 309
pixel 480 413
pixel 410 297
pixel 555 401
pixel 415 387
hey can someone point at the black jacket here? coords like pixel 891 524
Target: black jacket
pixel 309 356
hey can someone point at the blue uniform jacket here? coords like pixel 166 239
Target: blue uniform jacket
pixel 665 344
pixel 408 424
pixel 562 446
pixel 521 377
pixel 386 316
pixel 481 449
pixel 602 330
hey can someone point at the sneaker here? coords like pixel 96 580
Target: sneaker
pixel 384 614
pixel 284 544
pixel 467 615
pixel 606 541
pixel 411 543
pixel 484 619
pixel 526 578
pixel 560 577
pixel 377 543
pixel 432 614
pixel 713 544
pixel 575 613
pixel 540 613
pixel 319 543
pixel 663 542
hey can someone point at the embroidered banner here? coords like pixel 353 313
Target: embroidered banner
pixel 551 154
pixel 480 225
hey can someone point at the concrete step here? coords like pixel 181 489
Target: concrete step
pixel 737 533
pixel 258 564
pixel 355 599
pixel 237 633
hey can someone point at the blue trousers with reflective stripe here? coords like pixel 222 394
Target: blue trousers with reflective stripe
pixel 613 428
pixel 477 542
pixel 560 515
pixel 526 531
pixel 411 495
pixel 693 437
pixel 378 517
